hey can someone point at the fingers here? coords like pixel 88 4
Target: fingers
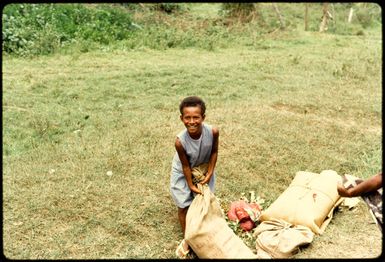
pixel 196 190
pixel 342 191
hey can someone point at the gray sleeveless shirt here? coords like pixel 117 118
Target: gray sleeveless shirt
pixel 198 151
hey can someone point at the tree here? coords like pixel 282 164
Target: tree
pixel 280 17
pixel 306 16
pixel 325 17
pixel 350 15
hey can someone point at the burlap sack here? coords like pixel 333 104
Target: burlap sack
pixel 207 232
pixel 280 239
pixel 308 201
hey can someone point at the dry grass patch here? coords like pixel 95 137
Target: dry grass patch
pixel 279 110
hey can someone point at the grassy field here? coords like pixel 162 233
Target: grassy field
pixel 290 102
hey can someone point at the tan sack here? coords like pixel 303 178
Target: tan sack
pixel 207 232
pixel 281 239
pixel 308 201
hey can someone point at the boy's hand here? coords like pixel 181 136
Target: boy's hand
pixel 194 189
pixel 205 181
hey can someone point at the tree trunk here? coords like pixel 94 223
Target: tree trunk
pixel 334 18
pixel 324 23
pixel 280 17
pixel 306 16
pixel 350 15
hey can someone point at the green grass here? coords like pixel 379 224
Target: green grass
pixel 284 103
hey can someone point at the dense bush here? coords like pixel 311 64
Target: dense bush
pixel 35 29
pixel 32 29
pixel 163 7
pixel 238 9
pixel 369 14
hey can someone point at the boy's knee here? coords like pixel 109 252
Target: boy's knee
pixel 182 210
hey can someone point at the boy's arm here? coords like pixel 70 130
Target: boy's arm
pixel 369 185
pixel 185 166
pixel 213 157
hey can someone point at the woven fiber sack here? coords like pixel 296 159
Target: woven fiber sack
pixel 207 232
pixel 280 239
pixel 308 201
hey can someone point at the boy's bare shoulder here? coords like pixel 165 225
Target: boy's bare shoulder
pixel 178 143
pixel 215 131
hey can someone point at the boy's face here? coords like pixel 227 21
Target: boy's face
pixel 192 119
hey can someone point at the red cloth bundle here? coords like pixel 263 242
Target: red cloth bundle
pixel 245 213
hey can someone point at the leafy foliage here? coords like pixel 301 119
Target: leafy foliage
pixel 239 9
pixel 41 29
pixel 368 14
pixel 32 29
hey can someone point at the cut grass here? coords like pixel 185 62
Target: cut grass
pixel 303 102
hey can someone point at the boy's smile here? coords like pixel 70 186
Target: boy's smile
pixel 192 119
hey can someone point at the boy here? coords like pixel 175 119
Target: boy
pixel 196 145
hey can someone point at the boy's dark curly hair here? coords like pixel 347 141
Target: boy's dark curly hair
pixel 192 101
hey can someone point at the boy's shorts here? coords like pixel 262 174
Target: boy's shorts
pixel 181 193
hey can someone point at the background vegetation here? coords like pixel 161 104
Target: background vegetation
pixel 92 101
pixel 35 29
